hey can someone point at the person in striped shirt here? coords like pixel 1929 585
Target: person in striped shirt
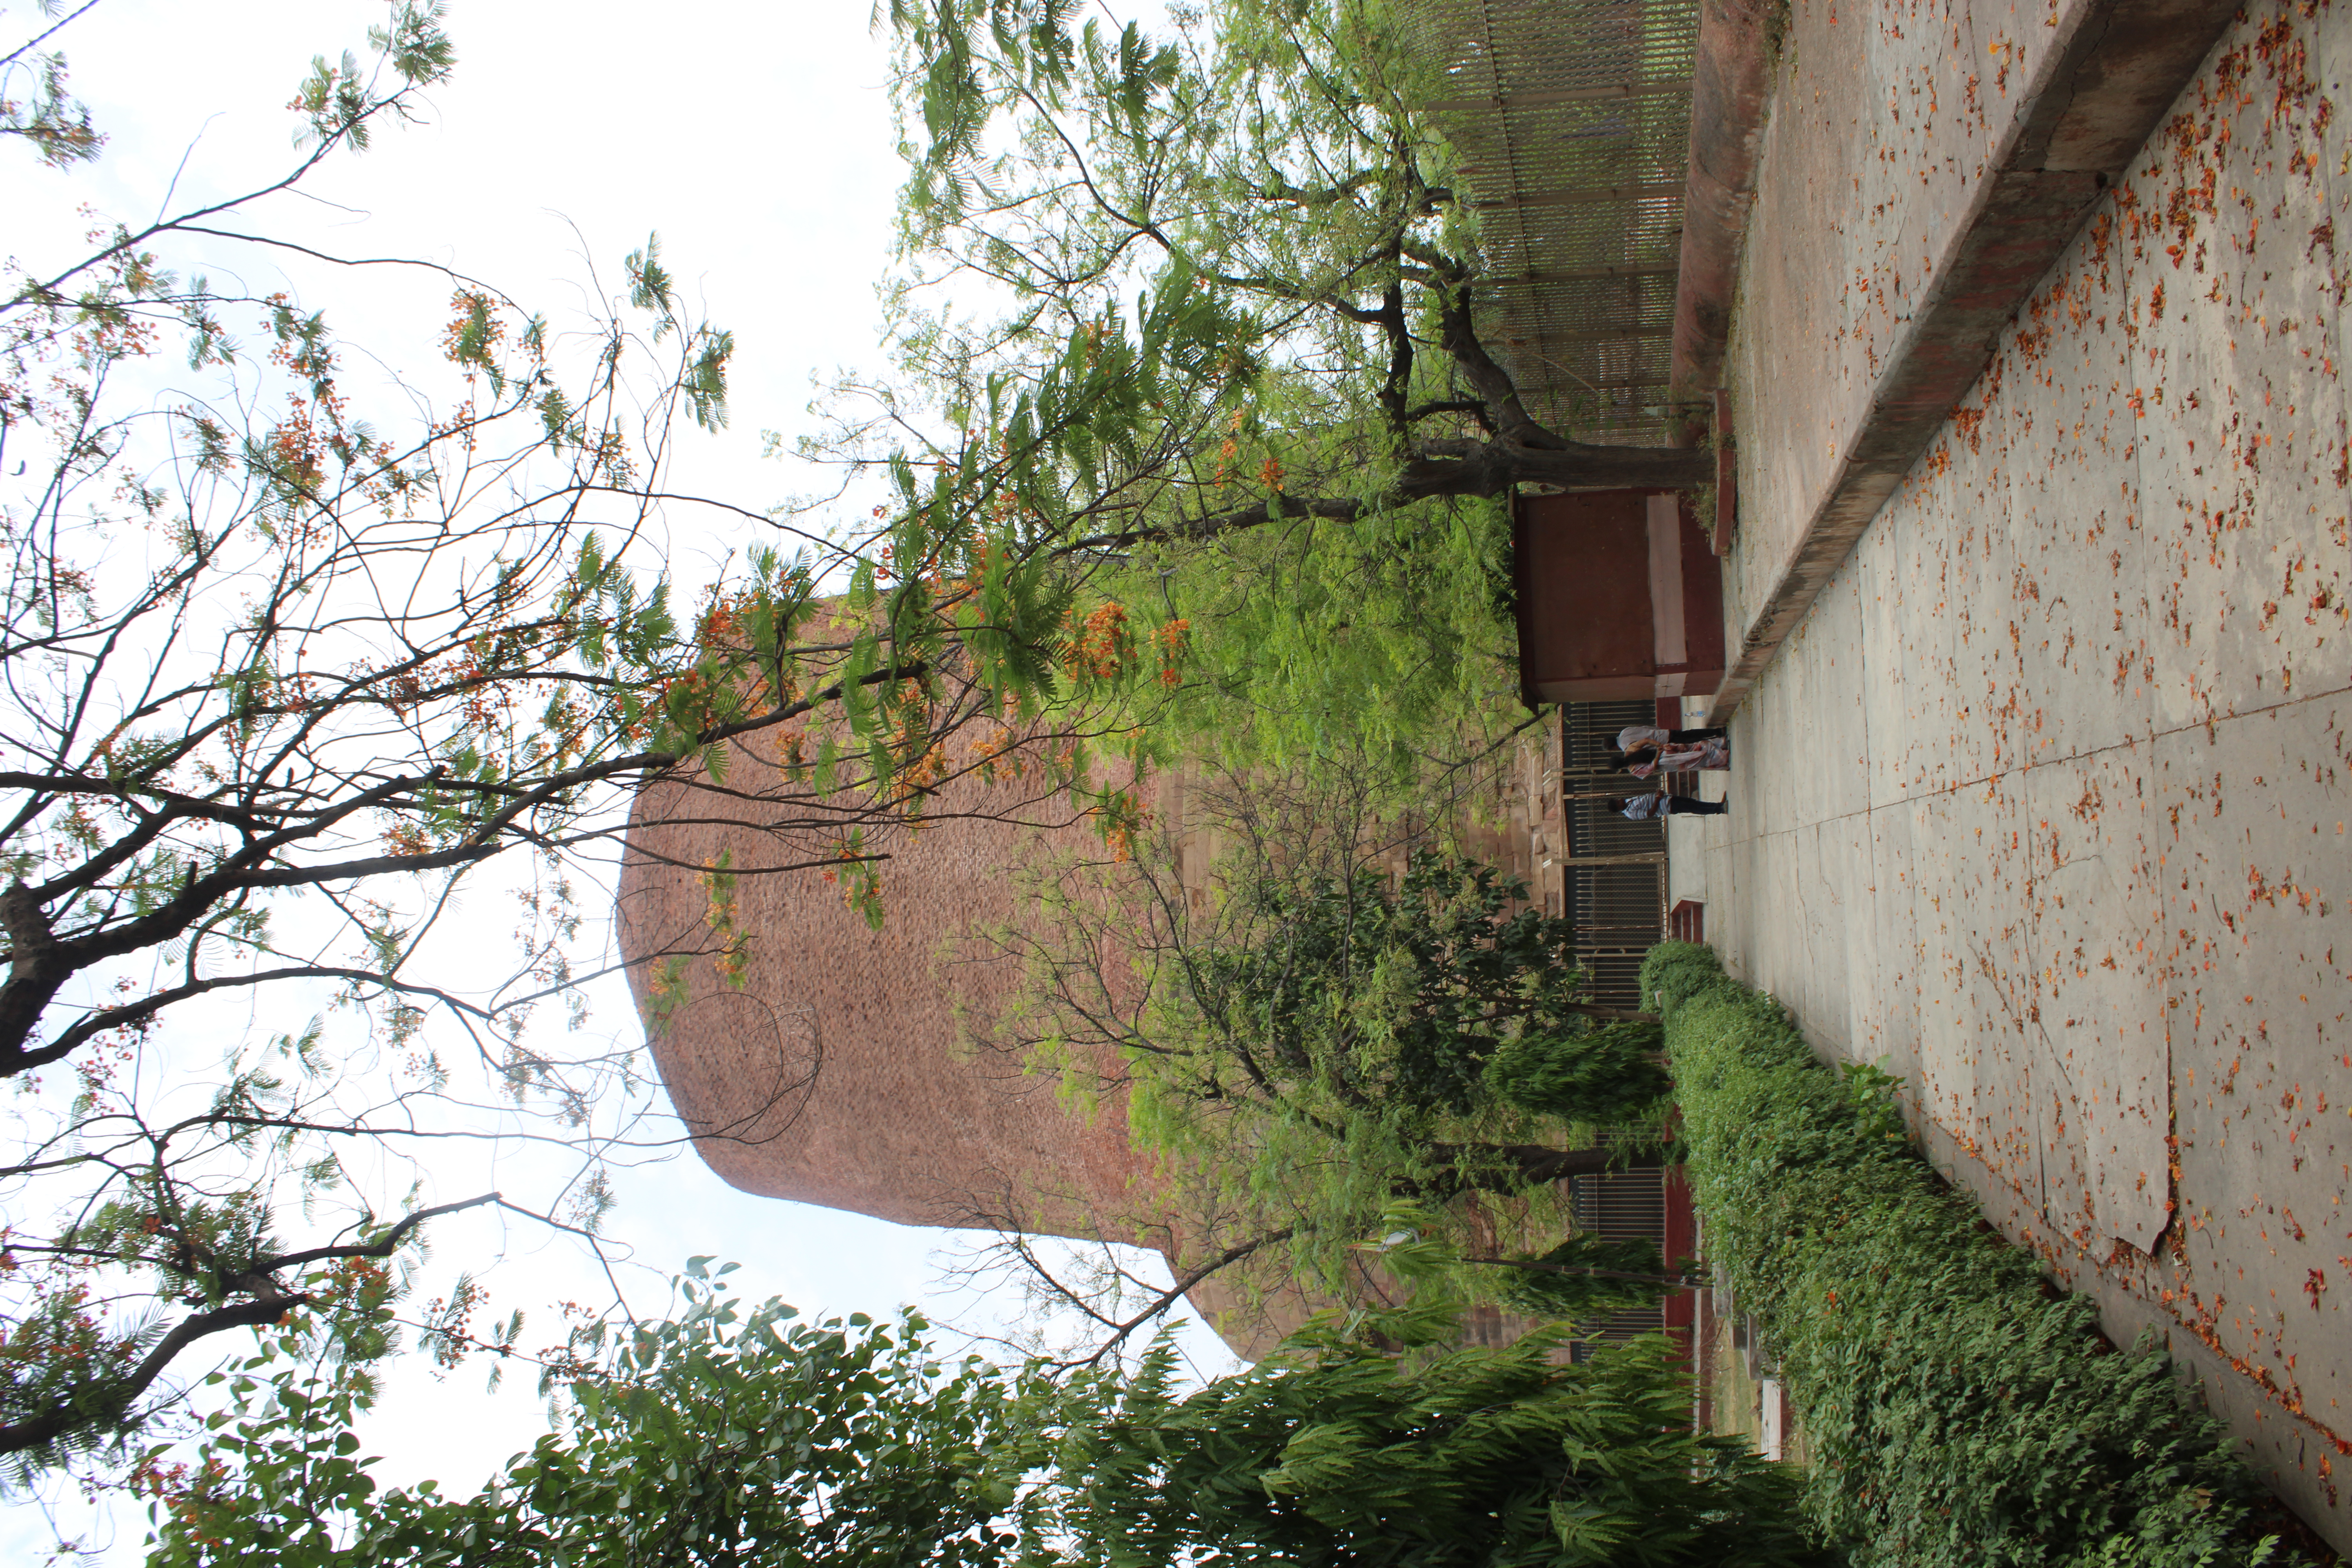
pixel 1641 807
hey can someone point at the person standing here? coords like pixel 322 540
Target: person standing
pixel 1641 807
pixel 1634 735
pixel 1713 755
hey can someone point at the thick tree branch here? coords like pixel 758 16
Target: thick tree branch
pixel 1123 1328
pixel 1399 381
pixel 1470 405
pixel 1339 509
pixel 271 1302
pixel 1438 469
pixel 1493 384
pixel 69 1414
pixel 40 964
pixel 385 1245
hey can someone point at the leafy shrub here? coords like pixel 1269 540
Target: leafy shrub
pixel 1397 993
pixel 1340 1455
pixel 1960 1412
pixel 736 1437
pixel 1682 969
pixel 1610 1074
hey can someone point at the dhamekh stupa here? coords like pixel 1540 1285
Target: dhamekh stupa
pixel 833 1074
pixel 830 1075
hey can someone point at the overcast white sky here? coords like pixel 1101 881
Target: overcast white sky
pixel 757 140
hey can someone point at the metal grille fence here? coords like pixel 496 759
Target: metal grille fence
pixel 1618 912
pixel 1618 1206
pixel 1618 907
pixel 1571 119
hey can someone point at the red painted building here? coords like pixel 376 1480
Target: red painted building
pixel 1619 595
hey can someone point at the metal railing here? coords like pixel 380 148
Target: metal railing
pixel 1619 1207
pixel 1614 873
pixel 1571 119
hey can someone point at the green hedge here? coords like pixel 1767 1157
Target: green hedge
pixel 1958 1410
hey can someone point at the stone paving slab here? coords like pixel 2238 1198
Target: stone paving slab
pixel 1922 163
pixel 2045 805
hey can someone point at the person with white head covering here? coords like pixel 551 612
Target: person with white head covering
pixel 1713 755
pixel 1634 735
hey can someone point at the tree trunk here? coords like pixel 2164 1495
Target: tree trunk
pixel 1460 468
pixel 1472 1166
pixel 1449 467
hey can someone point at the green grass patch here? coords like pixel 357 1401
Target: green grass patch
pixel 1960 1410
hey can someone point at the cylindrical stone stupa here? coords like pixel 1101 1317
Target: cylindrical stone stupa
pixel 832 1075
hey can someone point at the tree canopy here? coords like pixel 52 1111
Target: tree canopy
pixel 1272 170
pixel 1325 1018
pixel 722 1435
pixel 296 647
pixel 1192 445
pixel 1245 238
pixel 726 1436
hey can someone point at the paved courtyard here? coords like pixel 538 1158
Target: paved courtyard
pixel 2044 803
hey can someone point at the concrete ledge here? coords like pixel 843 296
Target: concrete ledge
pixel 1728 88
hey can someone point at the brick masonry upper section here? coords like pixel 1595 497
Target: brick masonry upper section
pixel 832 1075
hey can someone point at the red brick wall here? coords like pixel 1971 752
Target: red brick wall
pixel 832 1075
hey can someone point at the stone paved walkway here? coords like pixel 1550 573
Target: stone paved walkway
pixel 2046 803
